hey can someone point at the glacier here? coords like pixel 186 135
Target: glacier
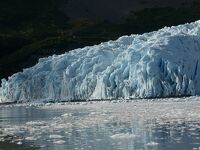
pixel 163 63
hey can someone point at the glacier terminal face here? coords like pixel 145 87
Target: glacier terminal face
pixel 164 63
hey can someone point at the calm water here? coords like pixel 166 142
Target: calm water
pixel 101 126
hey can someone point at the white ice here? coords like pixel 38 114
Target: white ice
pixel 157 64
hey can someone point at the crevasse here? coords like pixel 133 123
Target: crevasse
pixel 164 63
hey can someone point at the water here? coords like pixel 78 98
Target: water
pixel 117 125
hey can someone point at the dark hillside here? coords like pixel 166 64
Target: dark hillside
pixel 30 29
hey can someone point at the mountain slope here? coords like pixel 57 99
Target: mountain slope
pixel 33 29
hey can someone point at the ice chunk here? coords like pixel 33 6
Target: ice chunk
pixel 19 143
pixel 122 136
pixel 59 142
pixel 55 136
pixel 152 144
pixel 157 64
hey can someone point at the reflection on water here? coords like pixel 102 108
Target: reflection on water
pixel 13 146
pixel 102 126
pixel 20 114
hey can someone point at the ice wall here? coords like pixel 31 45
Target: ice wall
pixel 156 64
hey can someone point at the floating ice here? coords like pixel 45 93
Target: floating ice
pixel 156 64
pixel 55 136
pixel 122 136
pixel 59 142
pixel 147 123
pixel 152 144
pixel 19 143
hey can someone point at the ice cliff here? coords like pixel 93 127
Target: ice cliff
pixel 157 64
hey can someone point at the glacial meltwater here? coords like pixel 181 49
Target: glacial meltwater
pixel 149 124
